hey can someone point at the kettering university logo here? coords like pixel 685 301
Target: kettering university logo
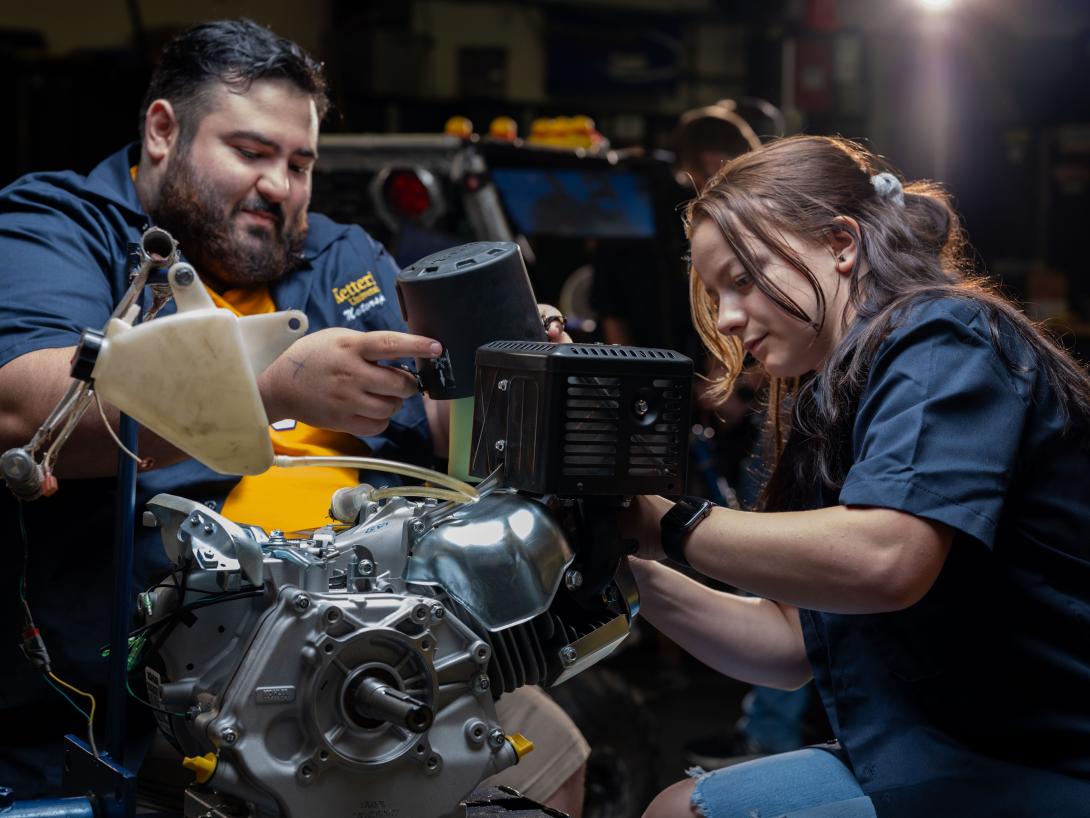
pixel 361 296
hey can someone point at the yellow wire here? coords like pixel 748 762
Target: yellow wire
pixel 59 680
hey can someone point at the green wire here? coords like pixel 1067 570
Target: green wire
pixel 66 698
pixel 151 706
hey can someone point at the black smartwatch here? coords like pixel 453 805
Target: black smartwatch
pixel 678 522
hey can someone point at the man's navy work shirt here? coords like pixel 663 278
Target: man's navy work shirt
pixel 975 701
pixel 65 245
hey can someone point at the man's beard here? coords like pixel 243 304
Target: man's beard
pixel 190 207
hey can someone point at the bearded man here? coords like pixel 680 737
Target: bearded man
pixel 229 135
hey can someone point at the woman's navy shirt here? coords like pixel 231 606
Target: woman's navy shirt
pixel 975 700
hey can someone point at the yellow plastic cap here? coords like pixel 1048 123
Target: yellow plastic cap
pixel 202 766
pixel 521 745
pixel 459 126
pixel 503 127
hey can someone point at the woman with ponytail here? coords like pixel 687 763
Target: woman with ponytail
pixel 923 545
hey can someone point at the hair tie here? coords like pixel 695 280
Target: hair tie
pixel 888 186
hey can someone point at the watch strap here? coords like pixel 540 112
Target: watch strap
pixel 678 523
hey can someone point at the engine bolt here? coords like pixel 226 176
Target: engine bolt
pixel 475 731
pixel 501 445
pixel 208 553
pixel 573 579
pixel 366 568
pixel 568 656
pixel 481 684
pixel 481 652
pixel 503 384
pixel 228 735
pixel 420 613
pixel 417 526
pixel 496 738
pixel 438 612
pixel 641 407
pixel 209 528
pixel 301 602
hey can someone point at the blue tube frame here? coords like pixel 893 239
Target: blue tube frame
pixel 122 604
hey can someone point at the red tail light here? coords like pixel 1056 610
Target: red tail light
pixel 407 196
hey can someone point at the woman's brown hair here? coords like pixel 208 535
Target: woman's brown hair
pixel 914 249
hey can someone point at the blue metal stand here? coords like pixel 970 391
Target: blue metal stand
pixel 45 807
pixel 110 785
pixel 104 775
pixel 122 605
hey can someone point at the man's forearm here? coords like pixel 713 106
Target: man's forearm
pixel 30 387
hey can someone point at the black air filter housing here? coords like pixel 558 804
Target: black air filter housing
pixel 464 297
pixel 579 419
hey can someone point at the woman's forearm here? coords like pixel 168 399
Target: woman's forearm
pixel 842 559
pixel 750 639
pixel 839 559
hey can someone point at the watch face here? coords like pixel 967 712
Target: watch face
pixel 686 513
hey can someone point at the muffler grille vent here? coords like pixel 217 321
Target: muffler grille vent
pixel 582 419
pixel 591 415
pixel 655 451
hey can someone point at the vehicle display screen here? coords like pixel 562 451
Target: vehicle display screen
pixel 593 202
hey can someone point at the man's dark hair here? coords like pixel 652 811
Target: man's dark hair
pixel 234 53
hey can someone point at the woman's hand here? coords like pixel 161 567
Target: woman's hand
pixel 640 522
pixel 554 323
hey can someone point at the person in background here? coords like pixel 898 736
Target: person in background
pixel 629 307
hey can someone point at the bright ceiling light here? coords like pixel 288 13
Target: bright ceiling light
pixel 935 5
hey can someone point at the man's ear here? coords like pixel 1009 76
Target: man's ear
pixel 844 242
pixel 161 130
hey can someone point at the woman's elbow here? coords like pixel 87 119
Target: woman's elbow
pixel 796 677
pixel 908 573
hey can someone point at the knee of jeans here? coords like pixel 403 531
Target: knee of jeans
pixel 698 800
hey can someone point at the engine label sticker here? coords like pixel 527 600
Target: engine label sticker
pixel 375 809
pixel 154 684
pixel 275 695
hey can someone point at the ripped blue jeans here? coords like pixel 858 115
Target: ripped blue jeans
pixel 809 783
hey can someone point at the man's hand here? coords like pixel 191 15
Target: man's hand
pixel 332 379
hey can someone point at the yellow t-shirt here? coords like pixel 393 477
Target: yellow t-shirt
pixel 288 499
pixel 295 498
